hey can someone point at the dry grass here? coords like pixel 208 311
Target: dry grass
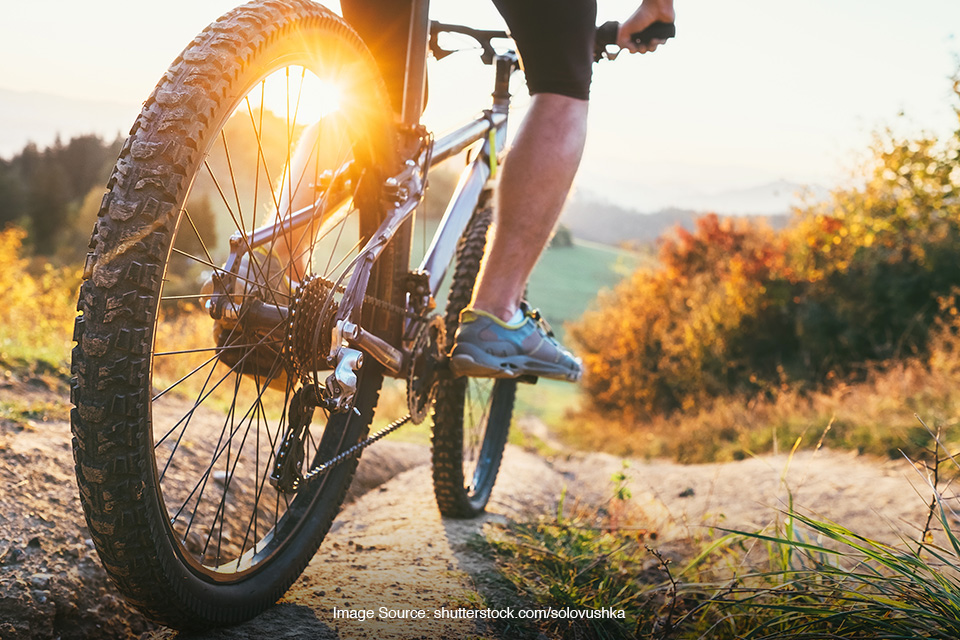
pixel 875 415
pixel 37 309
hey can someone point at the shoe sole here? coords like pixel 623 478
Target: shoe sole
pixel 464 364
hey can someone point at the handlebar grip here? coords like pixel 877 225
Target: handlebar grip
pixel 656 31
pixel 607 33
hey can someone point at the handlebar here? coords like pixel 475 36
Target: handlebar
pixel 482 36
pixel 607 35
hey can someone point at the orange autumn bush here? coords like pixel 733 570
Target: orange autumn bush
pixel 735 308
pixel 671 337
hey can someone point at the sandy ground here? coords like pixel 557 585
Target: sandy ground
pixel 390 548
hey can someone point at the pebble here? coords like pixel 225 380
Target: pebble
pixel 40 581
pixel 11 556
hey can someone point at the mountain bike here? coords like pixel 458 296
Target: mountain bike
pixel 231 345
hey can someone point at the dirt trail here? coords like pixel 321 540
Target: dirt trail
pixel 390 547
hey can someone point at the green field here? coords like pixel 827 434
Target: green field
pixel 568 279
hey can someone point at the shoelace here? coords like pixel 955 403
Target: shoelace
pixel 536 316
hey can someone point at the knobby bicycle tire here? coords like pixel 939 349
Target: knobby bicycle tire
pixel 471 417
pixel 145 254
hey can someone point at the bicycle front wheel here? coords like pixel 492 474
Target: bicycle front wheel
pixel 471 417
pixel 178 420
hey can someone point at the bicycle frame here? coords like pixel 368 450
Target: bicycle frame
pixel 404 192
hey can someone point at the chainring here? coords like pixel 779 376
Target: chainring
pixel 425 364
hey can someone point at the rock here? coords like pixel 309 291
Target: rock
pixel 40 581
pixel 11 556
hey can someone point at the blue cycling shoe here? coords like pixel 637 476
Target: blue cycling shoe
pixel 487 347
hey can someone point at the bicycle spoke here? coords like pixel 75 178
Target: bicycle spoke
pixel 178 382
pixel 258 410
pixel 260 414
pixel 218 349
pixel 186 296
pixel 281 428
pixel 227 481
pixel 243 235
pixel 344 259
pixel 202 483
pixel 207 263
pixel 261 156
pixel 233 178
pixel 218 452
pixel 189 415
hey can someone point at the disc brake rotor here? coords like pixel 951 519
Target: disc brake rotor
pixel 427 358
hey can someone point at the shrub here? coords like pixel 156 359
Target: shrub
pixel 37 308
pixel 670 337
pixel 734 308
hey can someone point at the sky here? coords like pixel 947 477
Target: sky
pixel 750 92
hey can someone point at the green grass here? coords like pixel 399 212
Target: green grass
pixel 552 401
pixel 807 579
pixel 22 411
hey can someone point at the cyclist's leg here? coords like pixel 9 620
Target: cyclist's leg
pixel 555 40
pixel 534 184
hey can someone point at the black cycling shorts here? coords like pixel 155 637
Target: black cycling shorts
pixel 555 40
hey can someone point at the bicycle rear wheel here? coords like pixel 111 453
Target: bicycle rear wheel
pixel 471 417
pixel 177 426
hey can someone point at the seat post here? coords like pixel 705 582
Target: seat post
pixel 415 76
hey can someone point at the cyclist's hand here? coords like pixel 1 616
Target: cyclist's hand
pixel 649 12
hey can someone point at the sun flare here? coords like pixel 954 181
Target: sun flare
pixel 297 95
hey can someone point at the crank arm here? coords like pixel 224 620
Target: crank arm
pixel 386 354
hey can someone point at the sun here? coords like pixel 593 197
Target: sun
pixel 297 95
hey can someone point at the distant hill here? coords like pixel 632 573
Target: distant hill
pixel 772 198
pixel 608 223
pixel 39 117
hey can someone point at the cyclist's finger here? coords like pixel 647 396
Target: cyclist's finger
pixel 651 46
pixel 646 47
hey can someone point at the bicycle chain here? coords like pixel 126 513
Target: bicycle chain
pixel 355 450
pixel 341 288
pixel 352 452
